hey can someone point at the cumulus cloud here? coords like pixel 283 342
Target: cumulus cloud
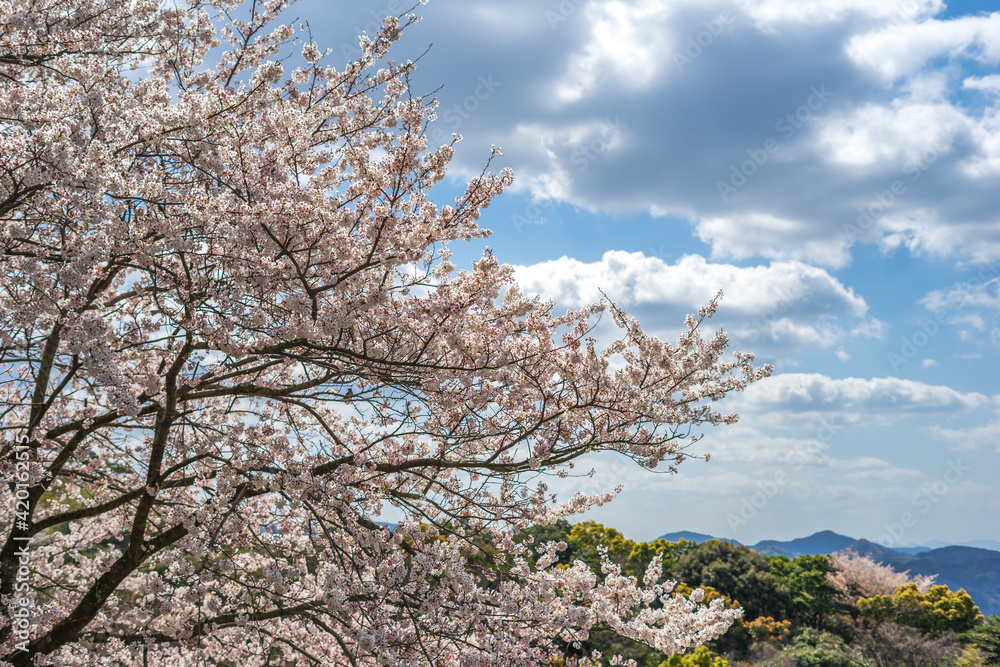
pixel 742 236
pixel 972 308
pixel 904 134
pixel 785 304
pixel 899 50
pixel 773 14
pixel 813 398
pixel 976 294
pixel 985 437
pixel 988 84
pixel 626 45
pixel 572 69
pixel 633 278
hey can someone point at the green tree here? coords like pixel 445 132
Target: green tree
pixel 588 537
pixel 938 611
pixel 700 657
pixel 813 599
pixel 736 571
pixel 815 648
pixel 986 638
pixel 643 552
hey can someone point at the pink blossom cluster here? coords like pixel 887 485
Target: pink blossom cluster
pixel 855 576
pixel 232 338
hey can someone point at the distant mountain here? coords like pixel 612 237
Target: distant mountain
pixel 875 551
pixel 823 542
pixel 975 569
pixel 692 537
pixel 992 545
pixel 958 554
pixel 913 551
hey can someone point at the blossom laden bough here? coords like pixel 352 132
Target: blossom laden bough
pixel 232 338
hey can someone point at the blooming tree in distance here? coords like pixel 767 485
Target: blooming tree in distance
pixel 232 339
pixel 855 576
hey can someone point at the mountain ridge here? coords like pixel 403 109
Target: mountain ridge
pixel 972 568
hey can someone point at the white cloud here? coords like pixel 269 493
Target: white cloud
pixel 745 444
pixel 884 400
pixel 772 14
pixel 972 307
pixel 786 304
pixel 988 84
pixel 976 294
pixel 986 135
pixel 566 150
pixel 899 50
pixel 907 135
pixel 882 474
pixel 628 44
pixel 810 333
pixel 687 129
pixel 922 231
pixel 634 278
pixel 985 437
pixel 746 235
pixel 870 328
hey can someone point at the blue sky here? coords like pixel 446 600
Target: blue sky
pixel 833 165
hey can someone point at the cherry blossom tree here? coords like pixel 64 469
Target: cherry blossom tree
pixel 232 340
pixel 856 576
